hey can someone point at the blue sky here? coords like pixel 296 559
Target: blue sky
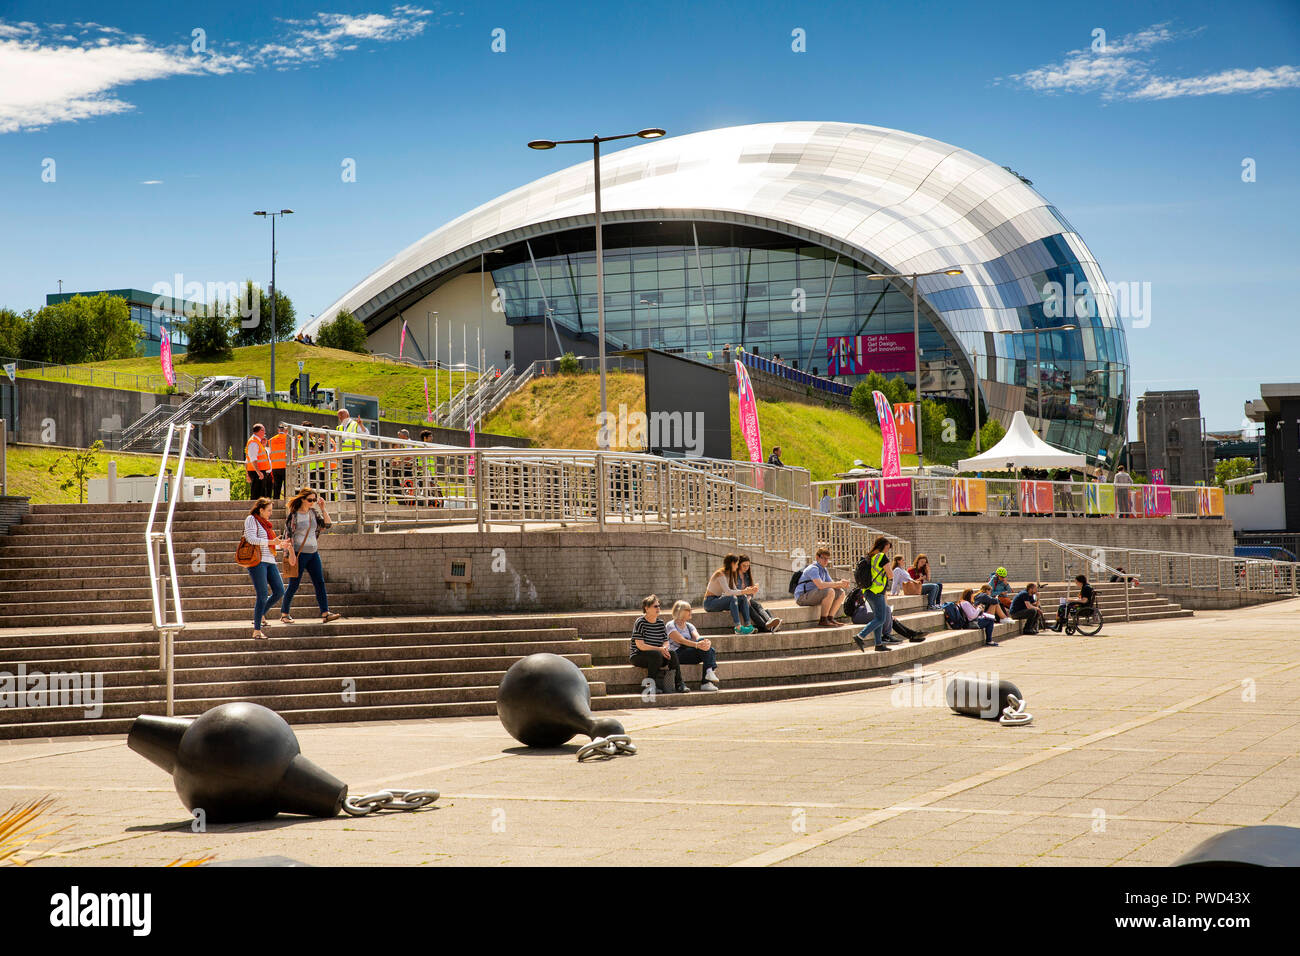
pixel 161 152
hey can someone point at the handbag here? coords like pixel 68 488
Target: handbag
pixel 912 587
pixel 247 554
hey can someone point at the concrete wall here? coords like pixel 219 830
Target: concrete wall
pixel 968 548
pixel 65 413
pixel 12 509
pixel 535 570
pixel 1264 509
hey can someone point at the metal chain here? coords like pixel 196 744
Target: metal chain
pixel 605 747
pixel 389 800
pixel 1013 715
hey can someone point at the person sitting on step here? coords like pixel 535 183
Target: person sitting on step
pixel 900 580
pixel 977 617
pixel 933 591
pixel 817 589
pixel 1024 607
pixel 650 648
pixel 690 648
pixel 986 602
pixel 762 618
pixel 999 587
pixel 721 594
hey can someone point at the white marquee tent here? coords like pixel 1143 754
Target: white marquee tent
pixel 1021 448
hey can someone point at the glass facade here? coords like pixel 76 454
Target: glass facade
pixel 768 292
pixel 150 311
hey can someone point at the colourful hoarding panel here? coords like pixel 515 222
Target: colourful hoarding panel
pixel 905 425
pixel 967 495
pixel 1157 501
pixel 1036 498
pixel 881 495
pixel 1209 502
pixel 1099 499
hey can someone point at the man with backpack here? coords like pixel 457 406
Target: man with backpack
pixel 813 587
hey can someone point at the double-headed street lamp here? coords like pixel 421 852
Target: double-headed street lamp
pixel 595 141
pixel 272 216
pixel 1038 363
pixel 916 337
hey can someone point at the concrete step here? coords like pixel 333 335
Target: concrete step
pixel 101 617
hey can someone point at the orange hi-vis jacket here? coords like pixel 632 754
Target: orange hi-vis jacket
pixel 256 457
pixel 279 456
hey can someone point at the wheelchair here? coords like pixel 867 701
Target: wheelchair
pixel 1083 619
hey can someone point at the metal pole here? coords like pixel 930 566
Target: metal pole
pixel 1038 375
pixel 600 277
pixel 4 464
pixel 975 366
pixel 916 347
pixel 273 308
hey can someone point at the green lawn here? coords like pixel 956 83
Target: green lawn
pixel 397 386
pixel 29 476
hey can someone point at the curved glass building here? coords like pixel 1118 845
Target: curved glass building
pixel 765 236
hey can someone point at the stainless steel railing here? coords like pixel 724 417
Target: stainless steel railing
pixel 154 543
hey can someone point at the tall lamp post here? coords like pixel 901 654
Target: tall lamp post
pixel 273 216
pixel 1038 363
pixel 916 337
pixel 595 141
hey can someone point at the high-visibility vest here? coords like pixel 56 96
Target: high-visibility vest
pixel 351 427
pixel 276 448
pixel 255 455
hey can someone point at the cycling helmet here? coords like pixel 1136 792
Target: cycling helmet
pixel 1001 572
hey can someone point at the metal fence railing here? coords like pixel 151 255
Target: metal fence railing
pixel 106 377
pixel 928 495
pixel 372 482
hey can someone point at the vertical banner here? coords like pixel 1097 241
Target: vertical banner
pixel 967 495
pixel 889 462
pixel 905 422
pixel 470 470
pixel 401 343
pixel 747 412
pixel 165 355
pixel 1158 475
pixel 1157 501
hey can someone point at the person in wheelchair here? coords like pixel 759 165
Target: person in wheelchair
pixel 1085 598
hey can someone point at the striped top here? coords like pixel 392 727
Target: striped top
pixel 256 535
pixel 653 633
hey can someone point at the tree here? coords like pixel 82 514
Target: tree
pixel 11 332
pixel 991 432
pixel 1224 471
pixel 80 464
pixel 55 334
pixel 256 306
pixel 569 364
pixel 209 333
pixel 111 332
pixel 344 332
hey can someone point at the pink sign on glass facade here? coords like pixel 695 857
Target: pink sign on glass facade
pixel 862 354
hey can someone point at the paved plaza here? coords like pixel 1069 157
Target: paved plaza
pixel 1146 740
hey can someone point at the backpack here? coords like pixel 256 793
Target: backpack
pixel 954 618
pixel 854 601
pixel 794 579
pixel 862 573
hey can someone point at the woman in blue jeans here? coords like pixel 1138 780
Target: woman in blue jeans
pixel 265 574
pixel 723 595
pixel 933 591
pixel 685 640
pixel 303 524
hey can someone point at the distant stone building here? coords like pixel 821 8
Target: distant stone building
pixel 1170 436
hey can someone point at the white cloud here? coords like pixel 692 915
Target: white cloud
pixel 1120 70
pixel 57 78
pixel 151 182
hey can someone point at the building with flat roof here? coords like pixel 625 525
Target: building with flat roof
pixel 1171 437
pixel 765 236
pixel 153 312
pixel 1278 410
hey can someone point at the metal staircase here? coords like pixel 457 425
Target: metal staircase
pixel 206 405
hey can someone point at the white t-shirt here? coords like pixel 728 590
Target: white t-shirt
pixel 686 629
pixel 900 578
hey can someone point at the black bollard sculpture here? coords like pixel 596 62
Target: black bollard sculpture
pixel 1247 846
pixel 980 697
pixel 237 762
pixel 544 700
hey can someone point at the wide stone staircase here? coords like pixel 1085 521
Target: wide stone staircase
pixel 74 600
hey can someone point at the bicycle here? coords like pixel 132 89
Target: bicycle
pixel 1083 619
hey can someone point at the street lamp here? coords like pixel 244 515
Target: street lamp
pixel 273 216
pixel 595 141
pixel 916 337
pixel 1038 364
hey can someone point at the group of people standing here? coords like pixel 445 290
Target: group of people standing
pixel 306 518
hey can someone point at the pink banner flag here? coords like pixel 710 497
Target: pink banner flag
pixel 401 343
pixel 747 411
pixel 889 460
pixel 165 356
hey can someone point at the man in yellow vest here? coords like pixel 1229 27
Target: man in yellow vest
pixel 347 446
pixel 257 462
pixel 279 456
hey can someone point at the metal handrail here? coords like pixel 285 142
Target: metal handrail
pixel 109 378
pixel 1093 561
pixel 154 540
pixel 1251 574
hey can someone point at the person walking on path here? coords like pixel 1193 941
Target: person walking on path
pixel 266 573
pixel 874 592
pixel 306 519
